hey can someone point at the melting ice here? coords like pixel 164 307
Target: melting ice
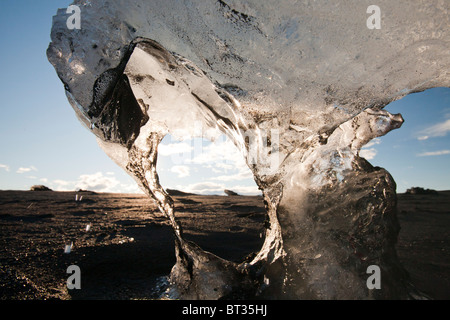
pixel 298 87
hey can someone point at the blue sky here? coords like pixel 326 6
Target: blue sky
pixel 418 154
pixel 42 141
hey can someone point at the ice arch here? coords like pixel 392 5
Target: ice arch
pixel 298 86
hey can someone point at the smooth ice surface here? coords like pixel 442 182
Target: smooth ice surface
pixel 298 86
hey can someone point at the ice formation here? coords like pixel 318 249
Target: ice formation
pixel 299 86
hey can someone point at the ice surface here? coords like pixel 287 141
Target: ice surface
pixel 298 86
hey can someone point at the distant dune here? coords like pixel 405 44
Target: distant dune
pixel 174 192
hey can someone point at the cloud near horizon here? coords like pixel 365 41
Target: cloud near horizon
pixel 209 188
pixel 95 182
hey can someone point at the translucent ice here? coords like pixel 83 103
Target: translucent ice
pixel 298 86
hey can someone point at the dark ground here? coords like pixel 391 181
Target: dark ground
pixel 129 250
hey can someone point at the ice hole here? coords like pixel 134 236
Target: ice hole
pixel 196 172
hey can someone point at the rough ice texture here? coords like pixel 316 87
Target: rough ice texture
pixel 299 86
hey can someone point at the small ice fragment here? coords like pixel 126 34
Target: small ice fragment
pixel 81 198
pixel 76 197
pixel 88 227
pixel 68 247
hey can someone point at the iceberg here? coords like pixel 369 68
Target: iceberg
pixel 299 87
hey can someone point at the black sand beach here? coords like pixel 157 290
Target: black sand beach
pixel 128 250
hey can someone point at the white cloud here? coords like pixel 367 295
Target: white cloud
pixel 368 154
pixel 174 148
pixel 130 188
pixel 434 153
pixel 44 180
pixel 438 130
pixel 242 175
pixel 220 154
pixel 206 187
pixel 4 166
pixel 220 157
pixel 32 177
pixel 223 157
pixel 224 166
pixel 182 171
pixel 97 182
pixel 373 142
pixel 93 182
pixel 23 170
pixel 215 170
pixel 62 185
pixel 246 190
pixel 209 187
